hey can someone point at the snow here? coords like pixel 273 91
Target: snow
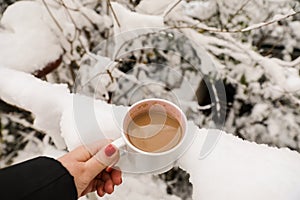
pixel 295 25
pixel 154 7
pixel 133 24
pixel 275 18
pixel 293 84
pixel 273 92
pixel 285 79
pixel 136 187
pixel 201 9
pixel 273 127
pixel 131 20
pixel 27 43
pixel 238 169
pixel 37 33
pixel 33 150
pixel 260 110
pixel 96 78
pixel 45 100
pixel 85 120
pixel 48 102
pixel 231 162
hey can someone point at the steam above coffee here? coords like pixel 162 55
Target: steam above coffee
pixel 154 131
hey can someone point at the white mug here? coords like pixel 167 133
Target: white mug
pixel 143 106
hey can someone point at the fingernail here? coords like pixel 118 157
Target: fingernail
pixel 109 150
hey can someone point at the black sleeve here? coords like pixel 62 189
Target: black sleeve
pixel 41 178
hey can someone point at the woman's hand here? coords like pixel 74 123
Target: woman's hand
pixel 88 166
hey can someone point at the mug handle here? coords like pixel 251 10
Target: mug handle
pixel 120 142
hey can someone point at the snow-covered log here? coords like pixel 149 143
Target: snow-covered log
pixel 235 169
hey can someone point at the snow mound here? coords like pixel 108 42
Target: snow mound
pixel 27 43
pixel 45 100
pixel 234 169
pixel 238 169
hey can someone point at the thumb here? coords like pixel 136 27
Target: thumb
pixel 107 156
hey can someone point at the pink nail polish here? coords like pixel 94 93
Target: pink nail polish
pixel 109 150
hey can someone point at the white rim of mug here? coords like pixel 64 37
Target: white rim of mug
pixel 183 125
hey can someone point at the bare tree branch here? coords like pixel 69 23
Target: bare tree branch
pixel 172 8
pixel 52 16
pixel 114 14
pixel 202 27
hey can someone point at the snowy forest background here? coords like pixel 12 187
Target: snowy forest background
pixel 254 45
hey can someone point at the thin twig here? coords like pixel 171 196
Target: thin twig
pixel 52 16
pixel 238 11
pixel 77 10
pixel 172 7
pixel 269 22
pixel 57 24
pixel 202 27
pixel 114 14
pixel 106 42
pixel 218 14
pixel 77 29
